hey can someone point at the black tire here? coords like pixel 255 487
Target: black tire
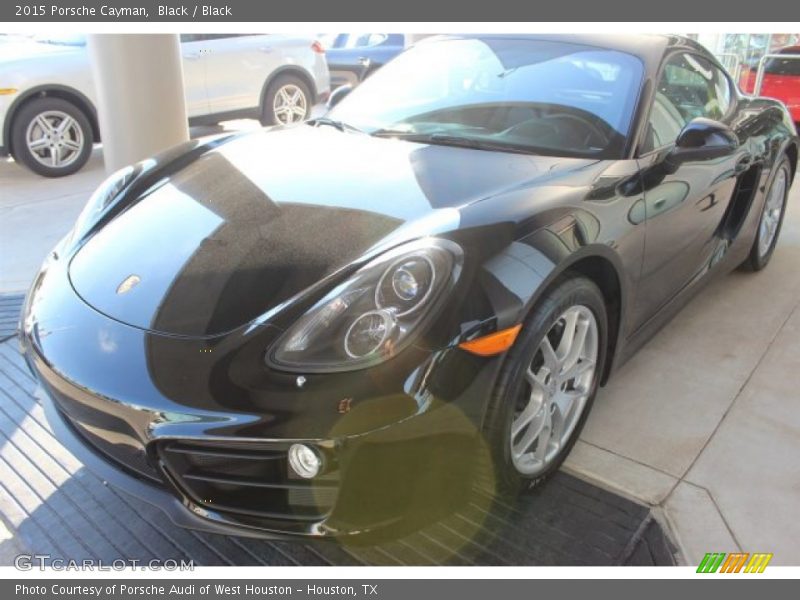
pixel 571 290
pixel 268 116
pixel 758 260
pixel 27 114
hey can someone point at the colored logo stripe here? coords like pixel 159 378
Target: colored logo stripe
pixel 758 563
pixel 734 562
pixel 711 562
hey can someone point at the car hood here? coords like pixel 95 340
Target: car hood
pixel 256 220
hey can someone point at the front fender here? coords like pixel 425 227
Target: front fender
pixel 506 286
pixel 592 226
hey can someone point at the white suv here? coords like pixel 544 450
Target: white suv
pixel 48 119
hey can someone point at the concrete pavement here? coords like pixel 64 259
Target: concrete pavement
pixel 36 212
pixel 703 424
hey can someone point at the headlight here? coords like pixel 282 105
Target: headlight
pixel 102 198
pixel 375 314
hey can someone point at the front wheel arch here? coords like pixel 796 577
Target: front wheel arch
pixel 604 275
pixel 568 287
pixel 601 266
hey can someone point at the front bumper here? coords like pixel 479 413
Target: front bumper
pixel 388 481
pixel 154 494
pixel 162 420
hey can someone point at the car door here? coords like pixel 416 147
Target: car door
pixel 236 68
pixel 346 59
pixel 193 55
pixel 685 205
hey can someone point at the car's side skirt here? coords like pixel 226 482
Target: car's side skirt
pixel 214 118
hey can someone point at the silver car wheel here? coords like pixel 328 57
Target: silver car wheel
pixel 289 105
pixel 54 139
pixel 773 209
pixel 557 386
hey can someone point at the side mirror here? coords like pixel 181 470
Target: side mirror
pixel 338 95
pixel 703 139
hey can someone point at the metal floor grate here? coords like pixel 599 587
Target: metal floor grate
pixel 10 307
pixel 59 507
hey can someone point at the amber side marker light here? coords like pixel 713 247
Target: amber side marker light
pixel 7 91
pixel 492 344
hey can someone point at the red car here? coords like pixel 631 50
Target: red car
pixel 781 80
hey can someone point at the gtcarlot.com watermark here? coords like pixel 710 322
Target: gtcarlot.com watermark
pixel 29 562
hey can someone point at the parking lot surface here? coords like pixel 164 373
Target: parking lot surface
pixel 702 426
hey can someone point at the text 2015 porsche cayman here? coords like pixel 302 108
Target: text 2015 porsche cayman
pixel 317 330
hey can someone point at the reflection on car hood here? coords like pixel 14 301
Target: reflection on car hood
pixel 264 216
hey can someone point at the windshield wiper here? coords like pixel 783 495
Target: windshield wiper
pixel 340 125
pixel 445 139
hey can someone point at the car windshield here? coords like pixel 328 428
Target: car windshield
pixel 523 95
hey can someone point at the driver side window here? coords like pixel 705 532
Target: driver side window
pixel 690 87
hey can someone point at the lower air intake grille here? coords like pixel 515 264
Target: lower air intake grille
pixel 247 479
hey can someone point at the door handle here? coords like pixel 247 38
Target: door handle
pixel 191 55
pixel 266 49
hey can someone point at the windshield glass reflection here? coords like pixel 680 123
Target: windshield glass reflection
pixel 516 94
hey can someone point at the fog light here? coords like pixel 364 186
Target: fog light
pixel 304 461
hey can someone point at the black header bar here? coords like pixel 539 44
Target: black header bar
pixel 446 11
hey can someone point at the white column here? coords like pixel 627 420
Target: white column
pixel 140 100
pixel 714 42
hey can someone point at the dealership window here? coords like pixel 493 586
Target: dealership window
pixel 689 87
pixel 784 66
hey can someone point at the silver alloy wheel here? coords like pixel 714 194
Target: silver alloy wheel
pixel 289 105
pixel 773 208
pixel 54 138
pixel 557 386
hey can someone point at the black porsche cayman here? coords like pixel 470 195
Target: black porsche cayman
pixel 319 330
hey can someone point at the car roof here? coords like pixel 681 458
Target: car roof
pixel 649 48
